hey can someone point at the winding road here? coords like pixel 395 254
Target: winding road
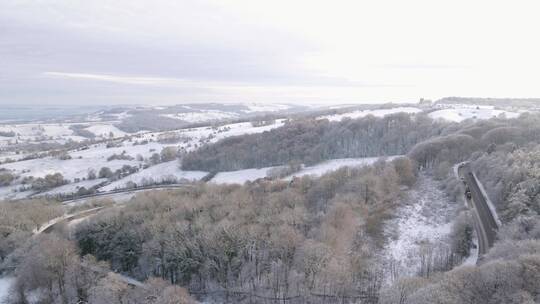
pixel 484 220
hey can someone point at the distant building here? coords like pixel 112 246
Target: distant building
pixel 425 103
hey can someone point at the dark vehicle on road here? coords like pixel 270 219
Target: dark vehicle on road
pixel 468 193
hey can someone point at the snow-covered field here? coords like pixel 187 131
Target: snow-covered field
pixel 334 164
pixel 459 114
pixel 421 226
pixel 70 169
pixel 376 113
pixel 242 176
pixel 56 132
pixel 156 174
pixel 38 132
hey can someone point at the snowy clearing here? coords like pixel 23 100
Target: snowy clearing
pixel 376 113
pixel 242 176
pixel 423 224
pixel 334 164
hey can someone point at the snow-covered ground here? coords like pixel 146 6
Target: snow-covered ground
pixel 38 132
pixel 57 132
pixel 70 169
pixel 459 114
pixel 156 174
pixel 5 285
pixel 242 176
pixel 376 113
pixel 421 226
pixel 334 164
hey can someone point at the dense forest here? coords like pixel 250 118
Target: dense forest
pixel 314 238
pixel 311 141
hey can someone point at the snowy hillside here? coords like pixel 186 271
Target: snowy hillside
pixel 136 151
pixel 376 113
pixel 461 113
pixel 242 176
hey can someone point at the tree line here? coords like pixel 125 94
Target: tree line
pixel 311 141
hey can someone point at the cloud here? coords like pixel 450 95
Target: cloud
pixel 152 81
pixel 225 50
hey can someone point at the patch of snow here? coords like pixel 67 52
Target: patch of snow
pixel 376 113
pixel 242 176
pixel 156 174
pixel 5 286
pixel 460 114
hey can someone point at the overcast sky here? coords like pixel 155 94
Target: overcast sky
pixel 168 52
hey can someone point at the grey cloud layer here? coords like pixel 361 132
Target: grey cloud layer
pixel 66 38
